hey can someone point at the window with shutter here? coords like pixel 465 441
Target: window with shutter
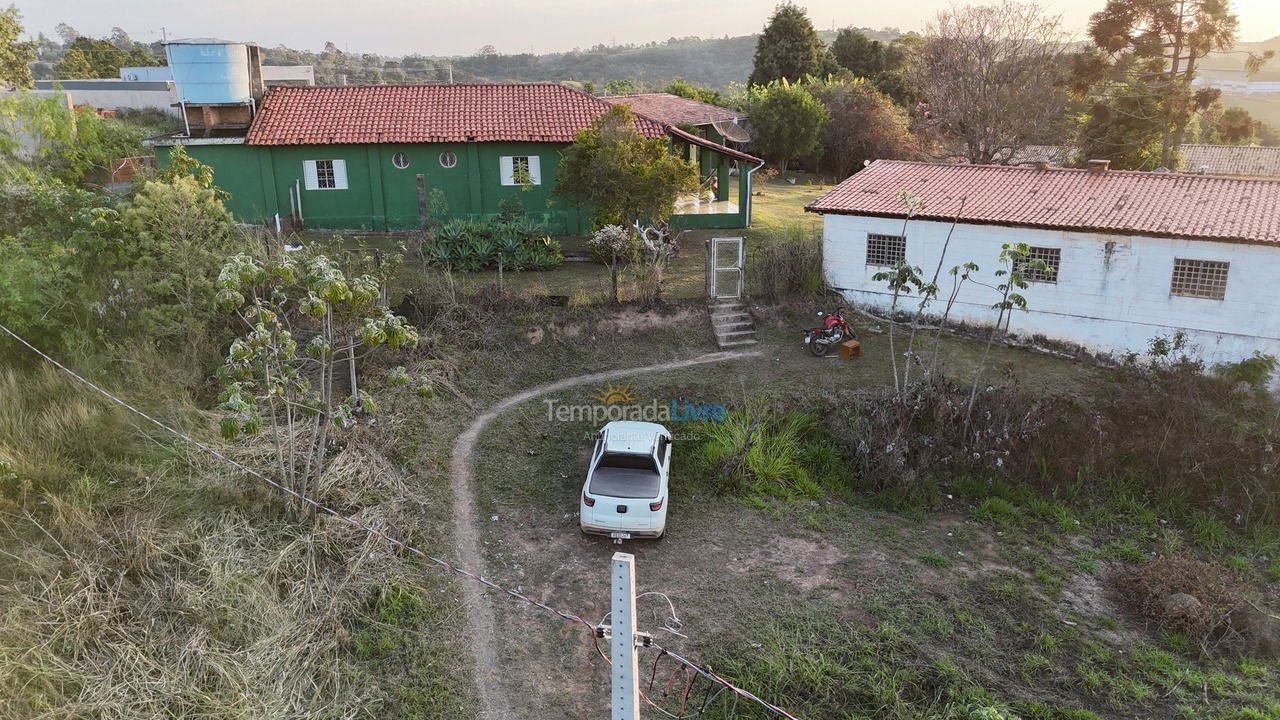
pixel 325 174
pixel 521 170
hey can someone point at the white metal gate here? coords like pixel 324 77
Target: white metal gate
pixel 726 267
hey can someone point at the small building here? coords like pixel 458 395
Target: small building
pixel 1133 255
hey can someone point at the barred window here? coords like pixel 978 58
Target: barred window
pixel 1052 259
pixel 324 175
pixel 886 250
pixel 1199 278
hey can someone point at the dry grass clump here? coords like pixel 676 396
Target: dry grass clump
pixel 136 581
pixel 123 614
pixel 1179 593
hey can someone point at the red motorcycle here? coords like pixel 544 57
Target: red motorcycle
pixel 833 331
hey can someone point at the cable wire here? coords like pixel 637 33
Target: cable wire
pixel 400 544
pixel 396 542
pixel 706 673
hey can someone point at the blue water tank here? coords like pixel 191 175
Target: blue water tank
pixel 206 70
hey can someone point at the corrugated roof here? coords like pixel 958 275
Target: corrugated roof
pixel 1126 202
pixel 536 112
pixel 673 109
pixel 1247 160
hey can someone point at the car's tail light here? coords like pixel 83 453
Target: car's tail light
pixel 656 506
pixel 588 500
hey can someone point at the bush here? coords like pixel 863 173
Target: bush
pixel 761 453
pixel 516 243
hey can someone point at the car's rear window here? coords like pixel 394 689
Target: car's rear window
pixel 624 483
pixel 629 461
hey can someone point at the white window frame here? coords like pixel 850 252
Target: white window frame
pixel 507 168
pixel 311 174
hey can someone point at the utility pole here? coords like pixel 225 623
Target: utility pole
pixel 624 638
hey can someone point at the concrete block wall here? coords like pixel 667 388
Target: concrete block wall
pixel 1111 295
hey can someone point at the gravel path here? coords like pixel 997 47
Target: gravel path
pixel 480 620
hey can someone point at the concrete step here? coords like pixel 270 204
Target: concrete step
pixel 729 327
pixel 737 343
pixel 726 306
pixel 734 333
pixel 730 319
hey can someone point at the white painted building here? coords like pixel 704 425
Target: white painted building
pixel 1137 255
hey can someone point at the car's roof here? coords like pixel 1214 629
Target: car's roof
pixel 629 436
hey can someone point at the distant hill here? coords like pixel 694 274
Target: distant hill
pixel 711 62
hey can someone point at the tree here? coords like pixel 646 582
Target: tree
pixel 265 377
pixel 863 124
pixel 66 33
pixel 787 120
pixel 622 175
pixel 616 247
pixel 859 54
pixel 1015 262
pixel 1220 125
pixel 1124 128
pixel 995 79
pixel 176 234
pixel 901 279
pixel 68 144
pixel 789 48
pixel 15 56
pixel 92 58
pixel 1154 47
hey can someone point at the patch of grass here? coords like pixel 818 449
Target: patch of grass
pixel 1124 551
pixel 997 511
pixel 758 455
pixel 1207 530
pixel 935 559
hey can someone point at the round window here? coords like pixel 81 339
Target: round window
pixel 448 159
pixel 400 160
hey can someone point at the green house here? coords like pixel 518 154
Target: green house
pixel 389 157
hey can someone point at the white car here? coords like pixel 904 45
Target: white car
pixel 625 494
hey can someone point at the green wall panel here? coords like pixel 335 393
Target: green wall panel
pixel 382 197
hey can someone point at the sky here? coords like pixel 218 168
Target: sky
pixel 461 27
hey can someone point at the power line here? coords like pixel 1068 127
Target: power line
pixel 703 672
pixel 293 493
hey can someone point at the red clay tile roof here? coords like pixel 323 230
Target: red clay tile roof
pixel 673 109
pixel 1124 202
pixel 537 112
pixel 696 140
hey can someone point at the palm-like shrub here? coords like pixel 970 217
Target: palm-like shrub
pixel 515 243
